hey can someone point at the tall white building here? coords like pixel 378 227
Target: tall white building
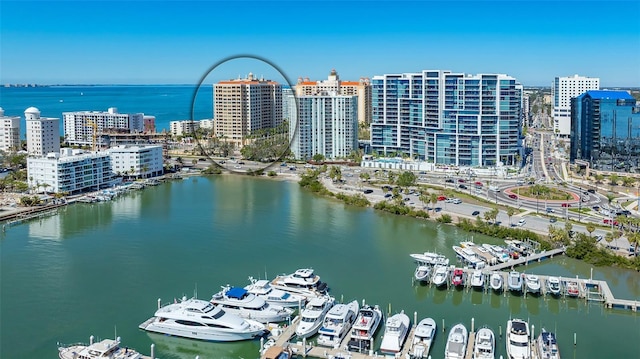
pixel 70 171
pixel 562 91
pixel 43 133
pixel 183 128
pixel 333 84
pixel 9 132
pixel 137 161
pixel 79 126
pixel 327 125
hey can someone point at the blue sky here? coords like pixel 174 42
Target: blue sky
pixel 164 42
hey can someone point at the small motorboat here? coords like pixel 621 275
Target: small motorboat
pixel 553 286
pixel 515 281
pixel 457 277
pixel 107 348
pixel 496 281
pixel 532 283
pixel 440 276
pixel 573 289
pixel 477 279
pixel 456 342
pixel 422 273
pixel 423 338
pixel 547 345
pixel 484 346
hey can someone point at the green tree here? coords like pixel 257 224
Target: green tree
pixel 318 157
pixel 590 228
pixel 406 179
pixel 365 176
pixel 335 173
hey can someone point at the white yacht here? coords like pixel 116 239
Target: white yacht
pixel 469 256
pixel 199 319
pixel 395 333
pixel 337 323
pixel 430 259
pixel 477 279
pixel 553 286
pixel 422 273
pixel 440 275
pixel 239 301
pixel 312 315
pixel 547 345
pixel 500 253
pixel 484 346
pixel 515 281
pixel 423 338
pixel 532 282
pixel 456 342
pixel 302 281
pixel 518 339
pixel 107 348
pixel 496 281
pixel 262 288
pixel 365 327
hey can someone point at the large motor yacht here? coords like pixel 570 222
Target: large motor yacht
pixel 423 338
pixel 303 282
pixel 263 289
pixel 107 348
pixel 395 333
pixel 456 347
pixel 518 339
pixel 337 323
pixel 199 319
pixel 365 328
pixel 312 315
pixel 240 302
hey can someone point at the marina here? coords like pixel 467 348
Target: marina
pixel 49 256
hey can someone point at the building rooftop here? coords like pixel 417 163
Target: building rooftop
pixel 609 95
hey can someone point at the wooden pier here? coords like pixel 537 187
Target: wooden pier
pixel 526 259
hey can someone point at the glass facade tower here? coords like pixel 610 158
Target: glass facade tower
pixel 448 118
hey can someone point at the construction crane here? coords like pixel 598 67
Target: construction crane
pixel 94 127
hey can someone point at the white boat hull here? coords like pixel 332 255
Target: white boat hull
pixel 205 333
pixel 423 339
pixel 496 282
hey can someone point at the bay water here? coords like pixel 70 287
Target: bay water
pixel 99 269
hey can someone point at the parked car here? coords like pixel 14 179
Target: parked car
pixel 522 222
pixel 462 186
pixel 449 180
pixel 553 220
pixel 550 210
pixel 442 198
pixel 456 201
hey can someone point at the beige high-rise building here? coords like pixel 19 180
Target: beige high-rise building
pixel 333 85
pixel 9 132
pixel 242 106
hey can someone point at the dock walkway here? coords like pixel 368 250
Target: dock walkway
pixel 526 259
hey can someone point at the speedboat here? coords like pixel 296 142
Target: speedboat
pixel 239 301
pixel 477 279
pixel 107 348
pixel 395 333
pixel 198 319
pixel 302 281
pixel 365 327
pixel 312 315
pixel 440 276
pixel 469 256
pixel 515 281
pixel 548 346
pixel 457 277
pixel 518 339
pixel 337 323
pixel 422 273
pixel 532 283
pixel 553 285
pixel 484 346
pixel 423 338
pixel 573 289
pixel 262 289
pixel 430 259
pixel 456 342
pixel 496 281
pixel 501 254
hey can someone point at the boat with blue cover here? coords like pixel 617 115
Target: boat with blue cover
pixel 239 301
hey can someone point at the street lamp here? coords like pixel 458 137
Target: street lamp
pixel 580 204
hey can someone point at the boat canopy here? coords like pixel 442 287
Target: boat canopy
pixel 236 293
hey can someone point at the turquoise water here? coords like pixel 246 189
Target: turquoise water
pixel 166 103
pixel 100 268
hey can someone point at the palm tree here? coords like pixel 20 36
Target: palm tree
pixel 433 198
pixel 609 237
pixel 634 239
pixel 590 228
pixel 510 212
